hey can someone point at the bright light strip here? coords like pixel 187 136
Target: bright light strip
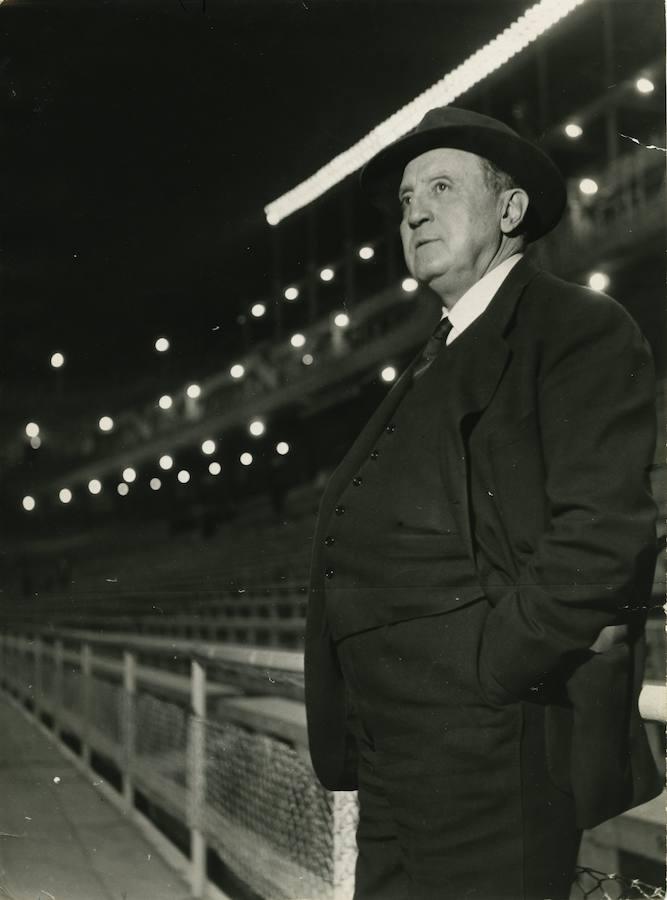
pixel 519 35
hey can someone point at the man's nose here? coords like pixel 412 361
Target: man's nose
pixel 418 213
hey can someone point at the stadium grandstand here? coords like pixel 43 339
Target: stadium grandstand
pixel 202 310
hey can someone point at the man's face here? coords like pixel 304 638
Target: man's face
pixel 450 219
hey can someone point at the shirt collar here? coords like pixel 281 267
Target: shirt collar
pixel 475 300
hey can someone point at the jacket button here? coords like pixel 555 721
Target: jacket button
pixel 329 573
pixel 339 510
pixel 357 480
pixel 375 454
pixel 390 428
pixel 329 540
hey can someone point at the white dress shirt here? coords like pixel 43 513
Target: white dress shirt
pixel 475 300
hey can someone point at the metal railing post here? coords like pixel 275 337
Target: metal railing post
pixel 86 696
pixel 129 725
pixel 196 778
pixel 38 650
pixel 58 686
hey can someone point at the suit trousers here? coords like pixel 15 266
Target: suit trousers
pixel 455 794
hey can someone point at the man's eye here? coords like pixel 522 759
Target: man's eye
pixel 441 186
pixel 405 201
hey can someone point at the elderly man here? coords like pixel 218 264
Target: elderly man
pixel 484 553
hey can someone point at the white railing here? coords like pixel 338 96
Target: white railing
pixel 215 735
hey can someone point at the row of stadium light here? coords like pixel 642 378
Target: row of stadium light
pixel 598 281
pixel 488 59
pixel 165 462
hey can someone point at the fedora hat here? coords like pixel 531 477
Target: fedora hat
pixel 462 129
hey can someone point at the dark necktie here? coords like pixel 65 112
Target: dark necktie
pixel 433 346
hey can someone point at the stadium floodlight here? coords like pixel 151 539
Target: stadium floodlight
pixel 598 281
pixel 65 495
pixel 105 423
pixel 291 293
pixel 123 489
pixel 162 345
pixel 165 402
pixel 246 459
pixel 307 359
pixel 208 447
pixel 36 442
pixel 508 43
pixel 165 462
pixel 588 186
pixel 193 391
pixel 183 476
pixel 572 130
pixel 409 285
pixel 327 274
pixel 297 340
pixel 257 428
pixel 129 474
pixel 237 371
pixel 258 310
pixel 94 486
pixel 57 360
pixel 388 373
pixel 215 468
pixel 155 484
pixel 32 429
pixel 342 320
pixel 644 86
pixel 282 448
pixel 28 503
pixel 366 252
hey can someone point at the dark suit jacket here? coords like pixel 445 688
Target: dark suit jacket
pixel 552 432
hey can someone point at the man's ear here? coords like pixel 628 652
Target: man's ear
pixel 513 211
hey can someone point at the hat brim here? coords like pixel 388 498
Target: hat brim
pixel 529 166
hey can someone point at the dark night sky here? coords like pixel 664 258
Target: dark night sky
pixel 145 139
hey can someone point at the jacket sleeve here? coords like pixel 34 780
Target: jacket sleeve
pixel 595 404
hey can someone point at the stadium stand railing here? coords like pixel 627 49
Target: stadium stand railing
pixel 218 744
